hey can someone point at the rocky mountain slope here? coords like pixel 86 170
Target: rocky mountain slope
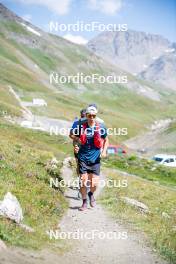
pixel 159 139
pixel 138 52
pixel 162 70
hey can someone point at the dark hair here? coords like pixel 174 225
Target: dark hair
pixel 83 112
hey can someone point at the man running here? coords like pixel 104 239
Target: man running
pixel 93 143
pixel 77 124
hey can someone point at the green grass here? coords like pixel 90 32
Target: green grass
pixel 24 155
pixel 15 27
pixel 19 77
pixel 143 168
pixel 4 51
pixel 160 231
pixel 172 128
pixel 8 104
pixel 45 61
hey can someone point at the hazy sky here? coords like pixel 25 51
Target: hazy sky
pixel 152 16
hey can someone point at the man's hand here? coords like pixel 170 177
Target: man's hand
pixel 74 138
pixel 103 154
pixel 76 149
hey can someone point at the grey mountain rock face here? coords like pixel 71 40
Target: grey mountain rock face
pixel 130 50
pixel 162 70
pixel 7 14
pixel 136 52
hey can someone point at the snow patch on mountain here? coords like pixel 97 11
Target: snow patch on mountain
pixel 31 30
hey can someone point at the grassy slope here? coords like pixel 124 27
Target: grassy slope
pixel 24 154
pixel 8 104
pixel 159 230
pixel 125 108
pixel 143 168
pixel 167 140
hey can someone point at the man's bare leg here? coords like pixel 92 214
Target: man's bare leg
pixel 94 180
pixel 83 190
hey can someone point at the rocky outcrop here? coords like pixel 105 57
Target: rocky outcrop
pixel 130 50
pixel 140 206
pixel 10 208
pixel 162 70
pixel 148 56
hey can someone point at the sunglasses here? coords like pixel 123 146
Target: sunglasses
pixel 89 115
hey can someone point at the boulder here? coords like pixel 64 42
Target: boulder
pixel 10 208
pixel 54 161
pixel 142 207
pixel 27 228
pixel 165 215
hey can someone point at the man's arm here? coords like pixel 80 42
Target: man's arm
pixel 74 128
pixel 105 146
pixel 73 137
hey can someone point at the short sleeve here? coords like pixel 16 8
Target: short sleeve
pixel 103 131
pixel 74 126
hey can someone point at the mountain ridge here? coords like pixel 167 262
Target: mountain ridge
pixel 133 51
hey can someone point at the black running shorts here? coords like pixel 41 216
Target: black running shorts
pixel 88 167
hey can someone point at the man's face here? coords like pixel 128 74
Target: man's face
pixel 91 117
pixel 83 115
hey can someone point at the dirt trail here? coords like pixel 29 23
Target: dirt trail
pixel 97 250
pixel 131 250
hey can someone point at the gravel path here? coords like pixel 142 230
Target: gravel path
pixel 101 251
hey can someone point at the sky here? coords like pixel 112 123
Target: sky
pixel 150 16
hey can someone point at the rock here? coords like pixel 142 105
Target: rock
pixel 1 157
pixel 67 161
pixel 27 228
pixel 174 228
pixel 29 174
pixel 142 207
pixel 165 215
pixel 54 161
pixel 157 182
pixel 2 246
pixel 10 208
pixel 52 164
